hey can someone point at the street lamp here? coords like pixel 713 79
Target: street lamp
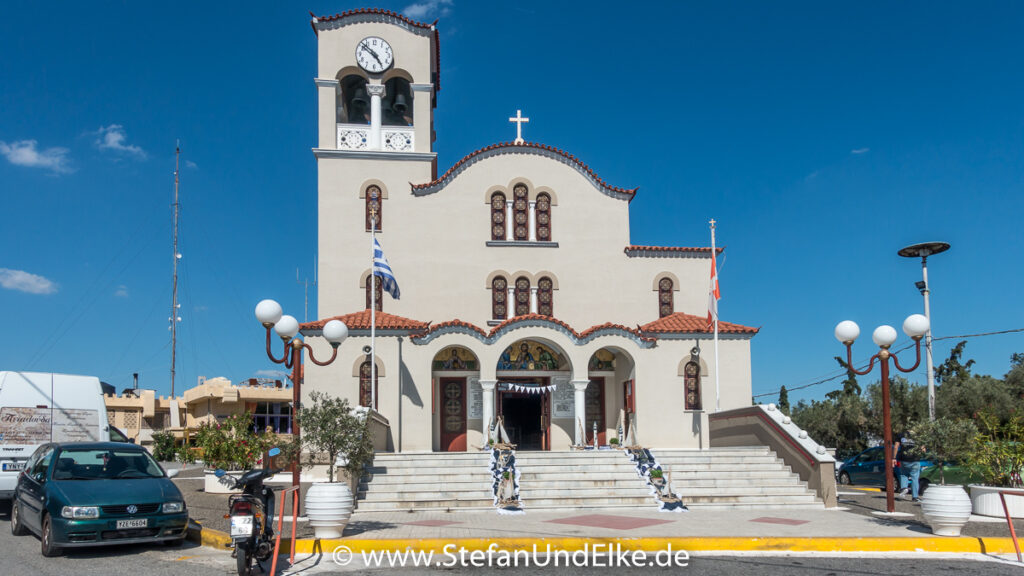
pixel 915 326
pixel 270 315
pixel 924 250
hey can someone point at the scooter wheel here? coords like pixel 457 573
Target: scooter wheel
pixel 243 559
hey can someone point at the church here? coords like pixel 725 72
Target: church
pixel 522 296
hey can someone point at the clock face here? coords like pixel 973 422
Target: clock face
pixel 374 54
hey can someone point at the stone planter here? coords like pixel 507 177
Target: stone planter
pixel 329 506
pixel 985 502
pixel 946 509
pixel 214 485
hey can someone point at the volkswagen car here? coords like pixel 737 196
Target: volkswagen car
pixel 96 493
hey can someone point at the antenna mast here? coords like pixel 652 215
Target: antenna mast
pixel 306 283
pixel 174 292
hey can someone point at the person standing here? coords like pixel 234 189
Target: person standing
pixel 908 456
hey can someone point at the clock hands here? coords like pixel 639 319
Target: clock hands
pixel 372 53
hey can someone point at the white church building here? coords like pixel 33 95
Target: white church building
pixel 522 294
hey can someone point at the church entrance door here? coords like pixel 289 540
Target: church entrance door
pixel 595 410
pixel 453 414
pixel 526 416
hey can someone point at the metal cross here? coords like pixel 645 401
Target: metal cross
pixel 519 120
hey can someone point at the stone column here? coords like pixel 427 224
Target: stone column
pixel 510 233
pixel 487 387
pixel 580 399
pixel 533 300
pixel 533 221
pixel 376 92
pixel 510 308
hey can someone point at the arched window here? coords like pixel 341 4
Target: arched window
pixel 352 101
pixel 370 281
pixel 520 212
pixel 396 108
pixel 545 298
pixel 522 295
pixel 665 304
pixel 365 389
pixel 543 217
pixel 498 216
pixel 374 215
pixel 691 385
pixel 499 298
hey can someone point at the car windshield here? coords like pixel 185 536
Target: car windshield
pixel 105 464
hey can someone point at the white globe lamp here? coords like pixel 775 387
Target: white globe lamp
pixel 916 326
pixel 884 336
pixel 335 332
pixel 268 312
pixel 287 327
pixel 847 331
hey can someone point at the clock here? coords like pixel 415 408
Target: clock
pixel 374 54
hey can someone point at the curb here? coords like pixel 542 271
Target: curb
pixel 950 545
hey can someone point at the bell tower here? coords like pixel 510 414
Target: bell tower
pixel 377 82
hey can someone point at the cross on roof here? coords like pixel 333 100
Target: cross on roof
pixel 519 120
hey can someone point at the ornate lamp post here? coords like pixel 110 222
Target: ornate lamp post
pixel 270 315
pixel 915 326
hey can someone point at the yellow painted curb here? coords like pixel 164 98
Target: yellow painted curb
pixel 207 536
pixel 711 544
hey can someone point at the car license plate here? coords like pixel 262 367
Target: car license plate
pixel 13 466
pixel 241 526
pixel 138 523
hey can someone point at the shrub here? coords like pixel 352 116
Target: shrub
pixel 231 445
pixel 945 439
pixel 163 447
pixel 657 473
pixel 998 454
pixel 330 427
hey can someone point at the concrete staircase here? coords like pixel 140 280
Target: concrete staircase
pixel 726 477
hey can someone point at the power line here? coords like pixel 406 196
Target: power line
pixel 864 363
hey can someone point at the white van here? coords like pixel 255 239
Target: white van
pixel 37 408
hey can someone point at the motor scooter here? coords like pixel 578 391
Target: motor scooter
pixel 252 517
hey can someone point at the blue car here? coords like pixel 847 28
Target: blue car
pixel 96 493
pixel 867 468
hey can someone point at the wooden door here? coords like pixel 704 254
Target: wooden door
pixel 595 410
pixel 545 420
pixel 628 405
pixel 453 414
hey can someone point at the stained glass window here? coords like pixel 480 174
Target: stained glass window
pixel 665 305
pixel 691 385
pixel 373 208
pixel 543 217
pixel 365 389
pixel 522 294
pixel 499 298
pixel 520 212
pixel 498 216
pixel 545 299
pixel 380 293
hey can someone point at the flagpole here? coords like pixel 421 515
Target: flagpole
pixel 373 302
pixel 718 406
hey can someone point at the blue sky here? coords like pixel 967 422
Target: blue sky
pixel 821 137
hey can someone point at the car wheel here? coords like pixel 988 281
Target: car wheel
pixel 844 478
pixel 47 547
pixel 17 528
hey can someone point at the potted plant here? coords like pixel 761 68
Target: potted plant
pixel 946 508
pixel 657 477
pixel 331 428
pixel 997 460
pixel 232 446
pixel 614 442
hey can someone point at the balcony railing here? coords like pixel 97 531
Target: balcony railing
pixel 393 138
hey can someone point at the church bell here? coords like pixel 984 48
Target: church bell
pixel 400 105
pixel 359 100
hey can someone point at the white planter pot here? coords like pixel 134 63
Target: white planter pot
pixel 214 485
pixel 329 506
pixel 985 502
pixel 946 508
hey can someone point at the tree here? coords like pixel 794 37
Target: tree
pixel 850 385
pixel 952 370
pixel 908 404
pixel 945 440
pixel 784 401
pixel 330 427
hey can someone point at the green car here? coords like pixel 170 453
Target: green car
pixel 96 493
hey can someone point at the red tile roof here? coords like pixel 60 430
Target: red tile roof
pixel 361 321
pixel 527 317
pixel 634 250
pixel 688 323
pixel 389 15
pixel 528 148
pixel 457 324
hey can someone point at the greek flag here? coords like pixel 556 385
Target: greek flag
pixel 383 269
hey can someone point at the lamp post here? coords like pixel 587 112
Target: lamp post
pixel 915 326
pixel 924 250
pixel 269 313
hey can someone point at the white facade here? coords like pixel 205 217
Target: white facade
pixel 591 316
